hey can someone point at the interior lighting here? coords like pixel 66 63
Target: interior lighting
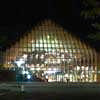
pixel 48 36
pixel 66 75
pixel 62 56
pixel 45 45
pixel 44 41
pixel 46 77
pixel 37 65
pixel 50 80
pixel 8 62
pixel 87 68
pixel 98 72
pixel 69 60
pixel 66 51
pixel 52 41
pixel 42 56
pixel 71 75
pixel 45 62
pixel 25 56
pixel 36 56
pixel 54 69
pixel 58 61
pixel 26 72
pixel 19 63
pixel 28 76
pixel 41 45
pixel 56 45
pixel 23 72
pixel 82 67
pixel 31 68
pixel 78 68
pixel 32 41
pixel 50 72
pixel 63 59
pixel 21 59
pixel 49 68
pixel 38 69
pixel 86 75
pixel 40 41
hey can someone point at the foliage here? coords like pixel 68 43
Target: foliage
pixel 90 11
pixel 3 39
pixel 94 37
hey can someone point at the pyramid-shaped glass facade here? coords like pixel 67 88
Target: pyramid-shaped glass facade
pixel 53 54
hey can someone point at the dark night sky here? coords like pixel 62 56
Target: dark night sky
pixel 18 17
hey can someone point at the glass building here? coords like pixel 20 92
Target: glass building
pixel 53 54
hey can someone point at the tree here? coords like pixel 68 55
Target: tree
pixel 90 12
pixel 3 39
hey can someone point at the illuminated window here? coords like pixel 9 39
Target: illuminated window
pixel 45 45
pixel 41 45
pixel 45 41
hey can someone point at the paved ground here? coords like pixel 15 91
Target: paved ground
pixel 47 96
pixel 48 91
